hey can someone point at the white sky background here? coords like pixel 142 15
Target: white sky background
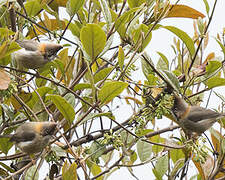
pixel 161 41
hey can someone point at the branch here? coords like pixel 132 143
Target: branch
pixel 40 26
pixel 170 128
pixel 198 48
pixel 56 83
pixel 108 169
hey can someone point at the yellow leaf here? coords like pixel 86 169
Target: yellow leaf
pixel 209 57
pixel 207 166
pixel 47 21
pixel 184 11
pixel 199 167
pixel 54 25
pixel 3 49
pixel 156 91
pixel 206 40
pixel 216 137
pixel 24 96
pixel 136 88
pixel 133 99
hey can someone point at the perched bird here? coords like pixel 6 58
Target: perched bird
pixel 33 54
pixel 193 119
pixel 32 137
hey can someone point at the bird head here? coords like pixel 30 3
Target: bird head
pixel 47 128
pixel 49 50
pixel 180 107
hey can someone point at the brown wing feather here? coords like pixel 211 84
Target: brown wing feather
pixel 199 113
pixel 23 136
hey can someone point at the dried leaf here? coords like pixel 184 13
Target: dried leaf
pixel 184 11
pixel 5 80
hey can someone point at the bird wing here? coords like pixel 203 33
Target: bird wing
pixel 198 113
pixel 29 45
pixel 22 136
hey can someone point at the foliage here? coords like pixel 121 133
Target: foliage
pixel 87 86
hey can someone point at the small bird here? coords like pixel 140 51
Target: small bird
pixel 193 119
pixel 32 137
pixel 33 54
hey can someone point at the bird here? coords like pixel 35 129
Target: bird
pixel 193 119
pixel 34 55
pixel 32 137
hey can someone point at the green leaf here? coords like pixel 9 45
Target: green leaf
pixel 97 151
pixel 126 138
pixel 82 86
pixel 122 20
pixel 177 165
pixel 163 62
pixel 5 145
pixel 93 39
pixel 6 167
pixel 60 152
pixel 184 37
pixel 133 157
pixel 221 45
pixel 32 7
pixel 110 90
pixel 143 132
pixel 139 36
pixel 121 57
pixel 70 99
pixel 106 12
pixel 215 82
pixel 135 3
pixel 31 172
pixel 75 28
pixel 152 80
pixel 176 154
pixel 5 32
pixel 161 167
pixel 12 48
pixel 206 6
pixel 223 146
pixel 56 4
pixel 146 68
pixel 95 169
pixel 3 49
pixel 213 66
pixel 73 6
pixel 157 139
pixel 69 172
pixel 172 79
pixel 40 82
pixel 63 106
pixel 7 48
pixel 144 150
pixel 42 91
pixel 102 74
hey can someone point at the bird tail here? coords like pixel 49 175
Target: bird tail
pixel 6 136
